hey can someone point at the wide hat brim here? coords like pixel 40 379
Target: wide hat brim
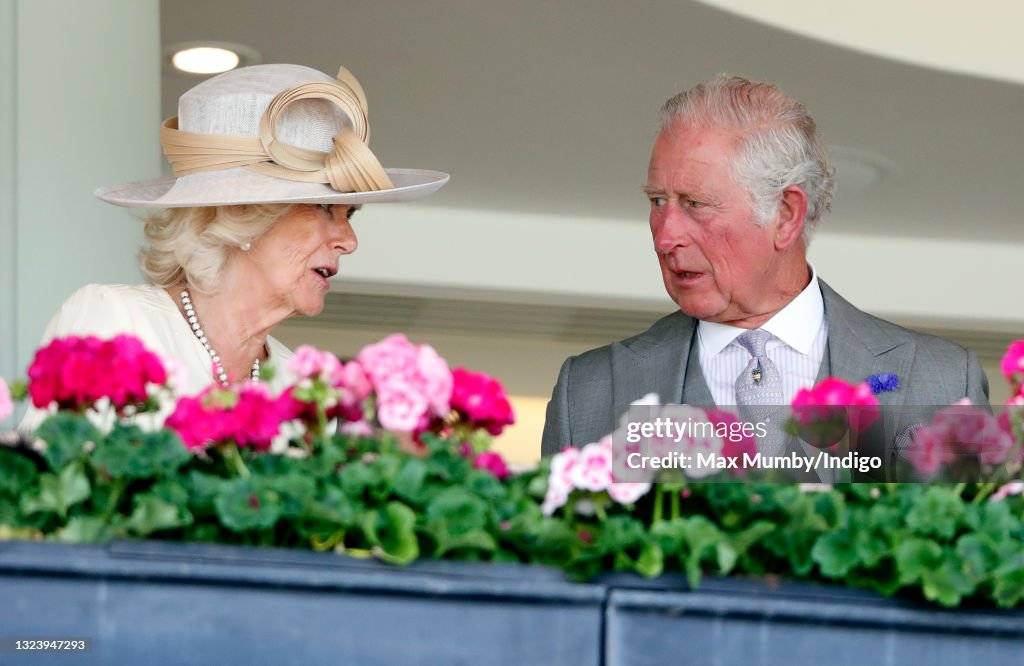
pixel 230 187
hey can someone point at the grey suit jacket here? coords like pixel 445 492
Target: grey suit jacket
pixel 595 388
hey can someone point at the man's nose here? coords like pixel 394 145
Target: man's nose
pixel 669 230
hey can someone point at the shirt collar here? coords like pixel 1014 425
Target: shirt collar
pixel 796 324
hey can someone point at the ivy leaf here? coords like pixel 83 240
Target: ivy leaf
pixel 937 512
pixel 151 514
pixel 65 435
pixel 127 452
pixel 86 529
pixel 57 494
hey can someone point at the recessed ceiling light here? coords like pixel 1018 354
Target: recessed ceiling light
pixel 205 58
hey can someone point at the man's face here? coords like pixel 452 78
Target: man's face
pixel 717 263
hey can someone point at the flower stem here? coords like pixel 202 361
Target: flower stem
pixel 659 500
pixel 676 491
pixel 958 489
pixel 983 492
pixel 117 486
pixel 234 458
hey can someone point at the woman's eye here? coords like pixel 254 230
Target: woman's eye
pixel 326 207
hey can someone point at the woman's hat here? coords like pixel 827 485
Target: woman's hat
pixel 272 134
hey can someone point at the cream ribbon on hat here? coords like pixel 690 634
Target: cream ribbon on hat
pixel 350 167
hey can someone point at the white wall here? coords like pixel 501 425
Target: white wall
pixel 941 281
pixel 79 108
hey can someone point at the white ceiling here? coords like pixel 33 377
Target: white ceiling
pixel 549 107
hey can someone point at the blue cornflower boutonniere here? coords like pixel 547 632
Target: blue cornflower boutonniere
pixel 883 382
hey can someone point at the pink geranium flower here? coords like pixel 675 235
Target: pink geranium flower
pixel 76 372
pixel 247 415
pixel 834 398
pixel 628 493
pixel 737 442
pixel 481 401
pixel 492 462
pixel 309 363
pixel 1013 365
pixel 412 382
pixel 957 431
pixel 593 468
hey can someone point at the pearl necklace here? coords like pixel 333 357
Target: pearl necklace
pixel 218 370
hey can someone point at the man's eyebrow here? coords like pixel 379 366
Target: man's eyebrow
pixel 650 189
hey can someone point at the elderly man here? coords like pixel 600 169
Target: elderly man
pixel 738 180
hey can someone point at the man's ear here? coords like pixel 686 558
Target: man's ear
pixel 790 217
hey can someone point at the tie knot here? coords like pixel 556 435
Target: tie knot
pixel 754 341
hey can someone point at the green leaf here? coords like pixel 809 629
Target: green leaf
pixel 86 529
pixel 410 480
pixel 151 514
pixel 978 555
pixel 475 539
pixel 947 583
pixel 393 531
pixel 915 558
pixel 456 511
pixel 17 473
pixel 66 434
pixel 57 494
pixel 127 452
pixel 835 553
pixel 651 561
pixel 937 512
pixel 1008 589
pixel 243 506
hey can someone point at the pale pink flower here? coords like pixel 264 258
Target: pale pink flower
pixel 177 374
pixel 356 428
pixel 555 497
pixel 562 465
pixel 1008 489
pixel 400 407
pixel 6 406
pixel 593 470
pixel 628 493
pixel 309 362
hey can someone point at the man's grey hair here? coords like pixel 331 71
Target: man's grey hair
pixel 777 147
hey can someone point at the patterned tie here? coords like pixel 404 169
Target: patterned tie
pixel 759 392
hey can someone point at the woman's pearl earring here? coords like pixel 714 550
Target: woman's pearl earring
pixel 246 246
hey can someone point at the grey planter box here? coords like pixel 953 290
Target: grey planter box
pixel 169 603
pixel 735 621
pixel 165 603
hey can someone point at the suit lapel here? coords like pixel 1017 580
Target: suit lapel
pixel 652 362
pixel 859 348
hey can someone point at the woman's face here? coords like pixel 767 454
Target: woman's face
pixel 293 260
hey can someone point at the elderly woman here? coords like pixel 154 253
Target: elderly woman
pixel 270 162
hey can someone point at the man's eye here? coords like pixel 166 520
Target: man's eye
pixel 658 202
pixel 695 204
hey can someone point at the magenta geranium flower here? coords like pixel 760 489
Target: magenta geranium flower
pixel 76 372
pixel 246 415
pixel 833 398
pixel 1013 365
pixel 481 401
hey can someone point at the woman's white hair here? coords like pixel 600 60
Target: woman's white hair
pixel 777 147
pixel 191 245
